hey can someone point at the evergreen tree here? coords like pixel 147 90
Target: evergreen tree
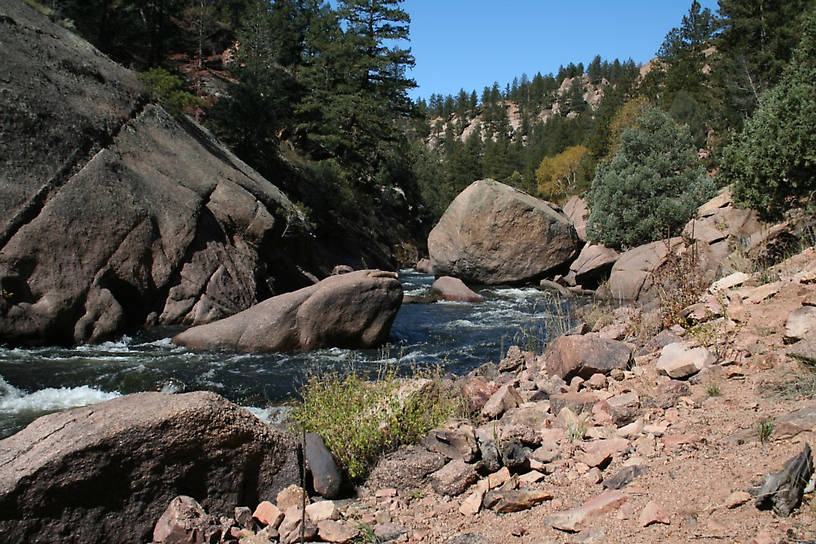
pixel 651 187
pixel 772 164
pixel 756 42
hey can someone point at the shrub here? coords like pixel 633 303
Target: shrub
pixel 772 163
pixel 650 188
pixel 169 91
pixel 557 175
pixel 360 419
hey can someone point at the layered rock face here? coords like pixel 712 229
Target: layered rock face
pixel 113 215
pixel 353 310
pixel 494 234
pixel 104 473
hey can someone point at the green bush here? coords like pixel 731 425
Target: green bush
pixel 360 419
pixel 772 163
pixel 169 91
pixel 650 188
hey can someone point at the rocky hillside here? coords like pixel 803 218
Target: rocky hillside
pixel 592 94
pixel 116 215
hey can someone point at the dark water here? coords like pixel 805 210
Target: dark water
pixel 458 336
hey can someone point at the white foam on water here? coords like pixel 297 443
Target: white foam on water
pixel 270 414
pixel 121 345
pixel 15 401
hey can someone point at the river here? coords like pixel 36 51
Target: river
pixel 457 336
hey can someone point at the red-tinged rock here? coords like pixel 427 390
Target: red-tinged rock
pixel 576 519
pixel 477 392
pixel 185 522
pixel 502 400
pixel 577 403
pixel 473 503
pixel 268 514
pixel 674 441
pixel 293 521
pixel 653 513
pixel 322 510
pixel 598 453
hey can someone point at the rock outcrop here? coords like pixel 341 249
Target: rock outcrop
pixel 353 310
pixel 105 473
pixel 113 214
pixel 494 234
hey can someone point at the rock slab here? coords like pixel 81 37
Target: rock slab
pixel 353 310
pixel 124 460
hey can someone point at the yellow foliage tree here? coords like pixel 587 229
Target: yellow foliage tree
pixel 556 175
pixel 624 119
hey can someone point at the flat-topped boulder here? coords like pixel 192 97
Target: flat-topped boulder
pixel 493 234
pixel 631 277
pixel 353 310
pixel 105 473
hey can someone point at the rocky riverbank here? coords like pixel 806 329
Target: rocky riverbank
pixel 651 438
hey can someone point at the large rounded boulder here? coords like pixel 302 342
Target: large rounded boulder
pixel 105 473
pixel 494 234
pixel 353 310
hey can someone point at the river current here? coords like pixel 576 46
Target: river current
pixel 457 336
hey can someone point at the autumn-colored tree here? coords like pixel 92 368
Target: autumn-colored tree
pixel 557 174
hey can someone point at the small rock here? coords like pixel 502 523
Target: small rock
pixel 291 496
pixel 673 441
pixel 477 392
pixel 598 453
pixel 336 531
pixel 473 503
pixel 669 393
pixel 758 294
pixel 504 501
pixel 185 522
pixel 456 439
pixel 267 514
pixel 389 531
pixel 243 515
pixel 502 400
pixel 623 477
pixel 454 478
pixel 596 381
pixel 290 527
pixel 531 477
pixel 498 478
pixel 576 402
pixel 653 513
pixel 800 323
pixel 322 510
pixel 575 519
pixel 681 360
pixel 737 498
pixel 783 490
pixel 726 283
pixel 623 408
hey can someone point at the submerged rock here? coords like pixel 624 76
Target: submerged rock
pixel 353 310
pixel 124 460
pixel 494 234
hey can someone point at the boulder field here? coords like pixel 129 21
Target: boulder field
pixel 352 310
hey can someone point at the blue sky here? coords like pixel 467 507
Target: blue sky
pixel 472 43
